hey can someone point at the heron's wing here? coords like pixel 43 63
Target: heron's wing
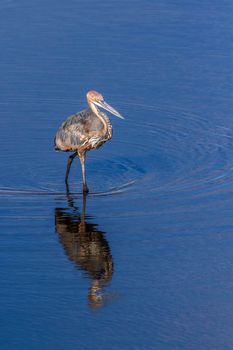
pixel 75 130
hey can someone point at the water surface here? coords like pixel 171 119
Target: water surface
pixel 145 261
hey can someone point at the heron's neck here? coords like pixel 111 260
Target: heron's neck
pixel 97 112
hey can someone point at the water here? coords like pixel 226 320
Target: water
pixel 145 262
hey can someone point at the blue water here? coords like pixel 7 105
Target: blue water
pixel 145 262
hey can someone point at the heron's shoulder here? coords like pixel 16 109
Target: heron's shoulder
pixel 78 117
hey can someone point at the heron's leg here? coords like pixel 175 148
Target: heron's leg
pixel 70 160
pixel 82 157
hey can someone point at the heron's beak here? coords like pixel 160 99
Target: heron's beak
pixel 108 108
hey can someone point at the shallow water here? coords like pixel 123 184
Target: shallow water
pixel 145 261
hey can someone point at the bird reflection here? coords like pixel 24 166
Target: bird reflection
pixel 87 247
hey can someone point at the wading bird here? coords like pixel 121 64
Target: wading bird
pixel 84 131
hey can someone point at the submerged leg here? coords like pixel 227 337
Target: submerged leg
pixel 70 160
pixel 82 157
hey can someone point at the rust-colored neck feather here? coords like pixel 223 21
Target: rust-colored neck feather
pixel 97 112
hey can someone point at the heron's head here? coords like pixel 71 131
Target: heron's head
pixel 94 97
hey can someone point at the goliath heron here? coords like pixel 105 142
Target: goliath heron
pixel 84 131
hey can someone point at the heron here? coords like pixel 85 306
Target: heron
pixel 84 131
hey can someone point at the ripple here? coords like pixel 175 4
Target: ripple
pixel 44 192
pixel 182 151
pixel 157 149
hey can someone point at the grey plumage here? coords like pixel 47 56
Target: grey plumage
pixel 80 131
